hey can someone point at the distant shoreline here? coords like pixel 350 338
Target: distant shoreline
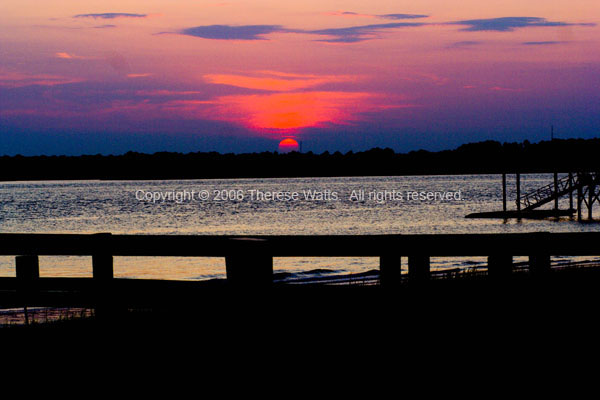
pixel 490 157
pixel 50 180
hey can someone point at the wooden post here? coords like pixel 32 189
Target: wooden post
pixel 500 266
pixel 390 270
pixel 591 190
pixel 103 274
pixel 249 270
pixel 539 264
pixel 579 196
pixel 504 192
pixel 28 268
pixel 102 260
pixel 518 191
pixel 249 264
pixel 28 273
pixel 102 267
pixel 570 190
pixel 419 268
pixel 556 190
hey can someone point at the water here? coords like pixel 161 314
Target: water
pixel 235 207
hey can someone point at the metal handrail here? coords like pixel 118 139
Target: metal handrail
pixel 563 185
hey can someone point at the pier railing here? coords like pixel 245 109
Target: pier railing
pixel 249 259
pixel 547 193
pixel 582 183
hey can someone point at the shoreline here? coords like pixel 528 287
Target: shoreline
pixel 485 157
pixel 476 278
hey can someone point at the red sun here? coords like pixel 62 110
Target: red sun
pixel 288 145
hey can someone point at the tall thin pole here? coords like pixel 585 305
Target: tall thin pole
pixel 579 196
pixel 518 191
pixel 570 190
pixel 556 190
pixel 504 192
pixel 591 190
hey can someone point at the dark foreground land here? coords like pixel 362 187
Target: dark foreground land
pixel 535 310
pixel 251 303
pixel 562 301
pixel 457 329
pixel 474 158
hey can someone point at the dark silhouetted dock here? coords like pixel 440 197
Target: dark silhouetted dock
pixel 585 185
pixel 249 262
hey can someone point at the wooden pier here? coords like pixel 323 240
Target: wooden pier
pixel 249 260
pixel 585 185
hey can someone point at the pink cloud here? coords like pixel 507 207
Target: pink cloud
pixel 12 79
pixel 142 75
pixel 504 89
pixel 349 14
pixel 70 56
pixel 275 81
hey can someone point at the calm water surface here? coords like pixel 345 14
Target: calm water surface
pixel 324 206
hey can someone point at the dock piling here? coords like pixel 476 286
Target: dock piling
pixel 250 263
pixel 504 192
pixel 570 190
pixel 579 197
pixel 539 264
pixel 28 274
pixel 390 270
pixel 591 191
pixel 102 260
pixel 102 267
pixel 27 268
pixel 249 270
pixel 518 192
pixel 500 266
pixel 102 275
pixel 419 268
pixel 556 190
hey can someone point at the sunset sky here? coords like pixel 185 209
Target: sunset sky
pixel 87 77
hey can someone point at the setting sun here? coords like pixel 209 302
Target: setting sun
pixel 288 145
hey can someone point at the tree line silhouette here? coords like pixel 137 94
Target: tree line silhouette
pixel 561 155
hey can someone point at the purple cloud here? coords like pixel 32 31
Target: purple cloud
pixel 509 24
pixel 540 43
pixel 402 16
pixel 355 34
pixel 464 43
pixel 228 32
pixel 110 15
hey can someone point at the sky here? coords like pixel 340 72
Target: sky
pixel 237 76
